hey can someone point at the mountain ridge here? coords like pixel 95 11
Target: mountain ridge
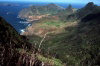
pixel 88 9
pixel 39 10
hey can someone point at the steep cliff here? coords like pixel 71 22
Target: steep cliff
pixel 14 48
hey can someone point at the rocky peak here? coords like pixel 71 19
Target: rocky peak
pixel 70 6
pixel 69 9
pixel 90 4
pixel 88 9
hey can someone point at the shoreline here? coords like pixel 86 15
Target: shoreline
pixel 27 21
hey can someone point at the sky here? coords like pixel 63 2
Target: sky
pixel 61 1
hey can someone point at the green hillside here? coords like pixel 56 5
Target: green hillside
pixel 77 44
pixel 40 10
pixel 15 50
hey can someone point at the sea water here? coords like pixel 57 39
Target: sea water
pixel 10 13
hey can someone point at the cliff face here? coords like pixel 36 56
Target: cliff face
pixel 9 35
pixel 10 43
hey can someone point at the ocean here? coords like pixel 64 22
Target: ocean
pixel 10 13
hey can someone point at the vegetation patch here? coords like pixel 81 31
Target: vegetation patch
pixel 52 61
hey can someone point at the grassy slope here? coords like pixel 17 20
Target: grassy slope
pixel 48 25
pixel 10 40
pixel 14 48
pixel 76 45
pixel 81 44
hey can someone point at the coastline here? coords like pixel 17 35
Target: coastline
pixel 27 21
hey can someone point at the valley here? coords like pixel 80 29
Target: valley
pixel 54 35
pixel 69 35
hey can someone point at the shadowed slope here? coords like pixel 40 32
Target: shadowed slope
pixel 10 43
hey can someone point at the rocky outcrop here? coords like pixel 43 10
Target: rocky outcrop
pixel 64 14
pixel 69 9
pixel 90 8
